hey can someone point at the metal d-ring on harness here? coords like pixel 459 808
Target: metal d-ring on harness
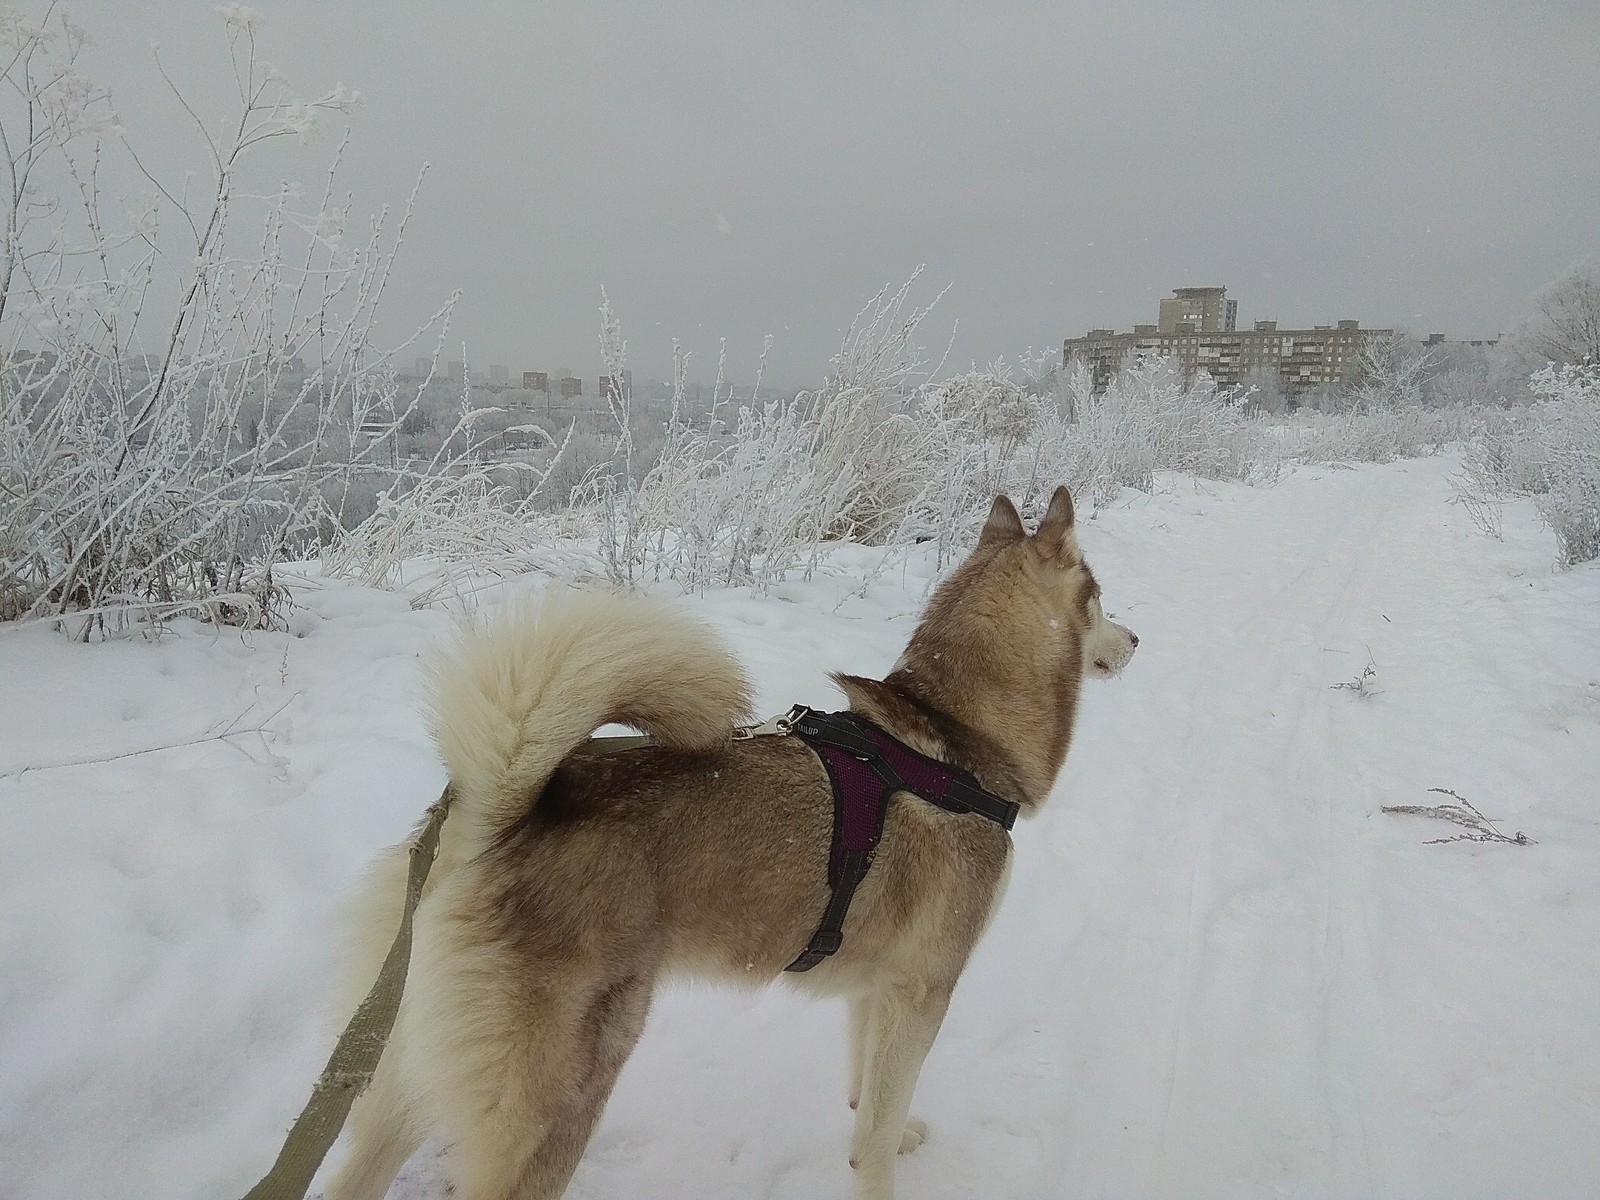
pixel 866 766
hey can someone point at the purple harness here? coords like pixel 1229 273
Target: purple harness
pixel 866 766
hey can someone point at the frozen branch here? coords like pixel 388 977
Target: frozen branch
pixel 1460 812
pixel 220 732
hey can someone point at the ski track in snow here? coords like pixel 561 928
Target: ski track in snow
pixel 1220 971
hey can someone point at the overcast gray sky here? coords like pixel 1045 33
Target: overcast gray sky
pixel 738 170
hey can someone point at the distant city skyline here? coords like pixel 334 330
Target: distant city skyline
pixel 1167 305
pixel 737 172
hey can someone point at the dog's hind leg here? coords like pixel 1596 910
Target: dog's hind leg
pixel 903 1025
pixel 531 1154
pixel 383 1133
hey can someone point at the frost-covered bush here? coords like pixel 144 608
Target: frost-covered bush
pixel 435 529
pixel 464 512
pixel 1377 435
pixel 1504 458
pixel 991 414
pixel 1569 454
pixel 983 433
pixel 1549 451
pixel 1359 436
pixel 964 440
pixel 1460 387
pixel 586 453
pixel 751 494
pixel 177 414
pixel 1146 421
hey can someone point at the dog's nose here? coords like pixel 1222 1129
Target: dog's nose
pixel 1134 638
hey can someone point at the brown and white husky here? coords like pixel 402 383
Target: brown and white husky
pixel 570 881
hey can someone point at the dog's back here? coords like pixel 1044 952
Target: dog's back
pixel 729 848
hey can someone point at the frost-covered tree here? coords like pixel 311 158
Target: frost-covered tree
pixel 189 388
pixel 1391 373
pixel 1264 388
pixel 1564 326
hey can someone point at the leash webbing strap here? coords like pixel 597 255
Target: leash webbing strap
pixel 356 1055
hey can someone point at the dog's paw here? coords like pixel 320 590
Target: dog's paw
pixel 916 1133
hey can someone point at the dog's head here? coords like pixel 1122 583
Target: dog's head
pixel 1008 638
pixel 1051 569
pixel 1031 597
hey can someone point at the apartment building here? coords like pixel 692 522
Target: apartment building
pixel 1205 308
pixel 1302 360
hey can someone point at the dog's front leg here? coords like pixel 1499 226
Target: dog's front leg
pixel 897 1036
pixel 860 1035
pixel 860 1025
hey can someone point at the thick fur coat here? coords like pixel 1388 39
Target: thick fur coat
pixel 570 881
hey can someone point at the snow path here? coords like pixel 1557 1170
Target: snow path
pixel 1221 971
pixel 1251 966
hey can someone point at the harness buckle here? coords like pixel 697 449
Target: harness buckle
pixel 826 941
pixel 779 726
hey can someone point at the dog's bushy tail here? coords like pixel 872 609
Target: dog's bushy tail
pixel 515 693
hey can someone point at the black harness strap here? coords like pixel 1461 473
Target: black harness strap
pixel 866 765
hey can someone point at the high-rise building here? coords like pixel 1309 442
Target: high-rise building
pixel 1207 309
pixel 1197 330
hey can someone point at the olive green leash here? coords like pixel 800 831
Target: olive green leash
pixel 360 1046
pixel 356 1055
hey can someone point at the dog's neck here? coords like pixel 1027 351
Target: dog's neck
pixel 1006 749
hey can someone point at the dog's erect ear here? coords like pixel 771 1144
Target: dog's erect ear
pixel 1004 526
pixel 1056 536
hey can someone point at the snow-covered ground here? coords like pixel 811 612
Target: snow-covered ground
pixel 1221 970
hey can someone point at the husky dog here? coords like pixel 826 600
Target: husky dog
pixel 569 881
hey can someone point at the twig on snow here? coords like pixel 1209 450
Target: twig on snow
pixel 1461 812
pixel 1362 684
pixel 218 732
